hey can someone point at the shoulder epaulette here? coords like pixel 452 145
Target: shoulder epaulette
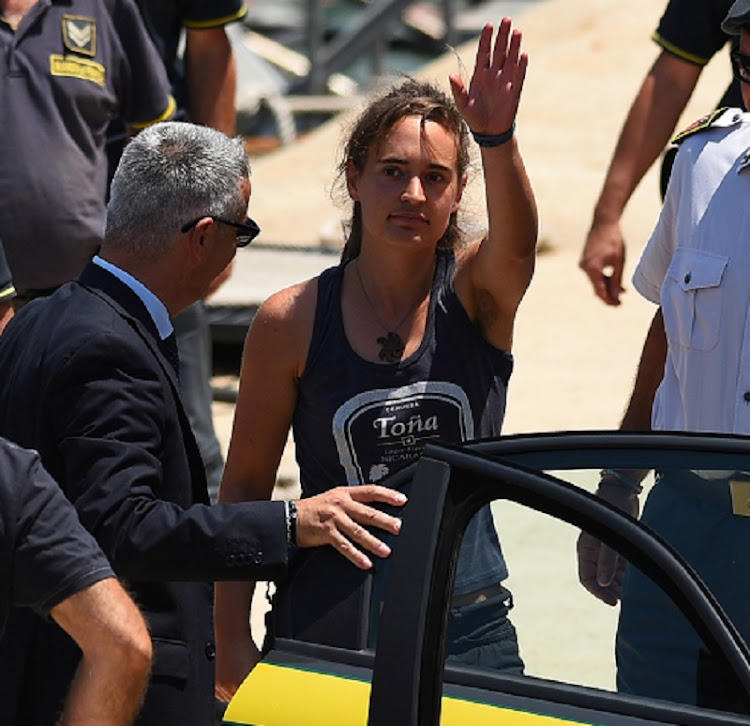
pixel 701 124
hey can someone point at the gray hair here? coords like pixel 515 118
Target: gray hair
pixel 170 174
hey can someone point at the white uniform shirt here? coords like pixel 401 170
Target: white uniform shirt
pixel 696 265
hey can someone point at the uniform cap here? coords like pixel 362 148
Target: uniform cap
pixel 738 15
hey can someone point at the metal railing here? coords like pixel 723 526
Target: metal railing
pixel 367 34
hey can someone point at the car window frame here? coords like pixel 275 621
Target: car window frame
pixel 450 484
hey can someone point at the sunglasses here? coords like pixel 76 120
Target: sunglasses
pixel 740 66
pixel 247 231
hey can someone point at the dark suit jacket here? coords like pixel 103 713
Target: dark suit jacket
pixel 85 383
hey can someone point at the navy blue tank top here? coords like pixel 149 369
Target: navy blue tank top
pixel 358 421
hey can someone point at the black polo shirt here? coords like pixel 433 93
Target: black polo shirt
pixel 70 67
pixel 46 555
pixel 691 30
pixel 165 20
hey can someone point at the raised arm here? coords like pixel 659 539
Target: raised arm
pixel 495 272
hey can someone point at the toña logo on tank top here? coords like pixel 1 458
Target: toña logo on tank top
pixel 380 431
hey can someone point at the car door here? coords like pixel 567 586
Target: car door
pixel 369 647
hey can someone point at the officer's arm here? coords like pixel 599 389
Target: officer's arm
pixel 212 78
pixel 648 377
pixel 650 124
pixel 6 313
pixel 111 678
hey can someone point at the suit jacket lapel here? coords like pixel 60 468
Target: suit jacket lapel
pixel 130 307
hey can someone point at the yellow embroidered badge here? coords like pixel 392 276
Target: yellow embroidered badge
pixel 72 67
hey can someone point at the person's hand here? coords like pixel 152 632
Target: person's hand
pixel 603 259
pixel 232 666
pixel 339 517
pixel 490 103
pixel 600 568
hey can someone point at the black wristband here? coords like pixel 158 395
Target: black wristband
pixel 489 140
pixel 291 522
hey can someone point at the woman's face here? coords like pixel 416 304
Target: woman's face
pixel 410 186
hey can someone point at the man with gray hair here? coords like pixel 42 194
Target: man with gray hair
pixel 89 381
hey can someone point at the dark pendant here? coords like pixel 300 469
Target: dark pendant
pixel 391 347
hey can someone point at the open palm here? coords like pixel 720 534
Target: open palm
pixel 490 103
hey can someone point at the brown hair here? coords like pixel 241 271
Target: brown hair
pixel 410 98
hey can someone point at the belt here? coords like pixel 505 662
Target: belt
pixel 732 490
pixel 476 596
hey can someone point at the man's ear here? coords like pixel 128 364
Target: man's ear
pixel 197 238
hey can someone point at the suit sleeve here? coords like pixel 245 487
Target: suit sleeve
pixel 126 468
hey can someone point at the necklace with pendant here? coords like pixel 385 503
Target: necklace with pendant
pixel 391 344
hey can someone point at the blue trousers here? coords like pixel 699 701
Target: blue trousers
pixel 658 652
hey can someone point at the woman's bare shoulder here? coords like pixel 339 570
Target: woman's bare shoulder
pixel 284 322
pixel 292 304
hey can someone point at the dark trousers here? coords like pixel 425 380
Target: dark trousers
pixel 481 634
pixel 658 652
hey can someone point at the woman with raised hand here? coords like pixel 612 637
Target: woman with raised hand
pixel 407 340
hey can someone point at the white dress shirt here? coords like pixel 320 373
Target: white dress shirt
pixel 696 265
pixel 156 308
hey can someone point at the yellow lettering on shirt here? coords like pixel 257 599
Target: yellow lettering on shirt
pixel 72 67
